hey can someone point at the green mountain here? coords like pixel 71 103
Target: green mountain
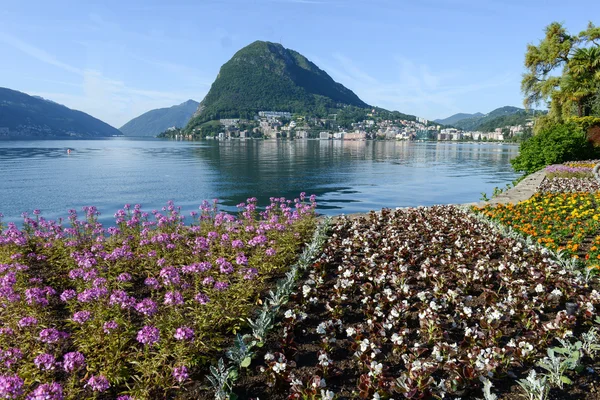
pixel 265 76
pixel 451 120
pixel 24 116
pixel 156 121
pixel 498 118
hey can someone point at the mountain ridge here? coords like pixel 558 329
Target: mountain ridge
pixel 265 76
pixel 25 116
pixel 153 122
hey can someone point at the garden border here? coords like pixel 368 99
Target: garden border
pixel 225 373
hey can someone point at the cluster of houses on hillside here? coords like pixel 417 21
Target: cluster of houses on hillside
pixel 279 124
pixel 499 134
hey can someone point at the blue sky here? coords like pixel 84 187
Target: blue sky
pixel 432 58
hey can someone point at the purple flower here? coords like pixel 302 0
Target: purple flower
pixel 82 317
pixel 124 277
pixel 121 298
pixel 11 386
pixel 36 296
pixel 237 244
pixel 125 397
pixel 181 373
pixel 98 383
pixel 148 335
pixel 201 298
pixel 147 307
pixel 226 267
pixel 270 252
pixel 241 259
pixel 184 333
pixel 47 391
pixel 152 283
pixel 250 273
pixel 221 286
pixel 110 326
pixel 208 280
pixel 45 362
pixel 27 321
pixel 68 295
pixel 50 335
pixel 170 276
pixel 73 361
pixel 10 356
pixel 173 298
pixel 6 332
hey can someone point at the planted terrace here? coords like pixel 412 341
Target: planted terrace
pixel 139 310
pixel 419 303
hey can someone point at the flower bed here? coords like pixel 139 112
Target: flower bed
pixel 569 185
pixel 568 171
pixel 566 222
pixel 138 310
pixel 417 303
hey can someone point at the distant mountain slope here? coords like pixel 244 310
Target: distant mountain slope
pixel 451 120
pixel 24 116
pixel 266 76
pixel 498 118
pixel 156 121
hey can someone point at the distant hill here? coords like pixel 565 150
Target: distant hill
pixel 156 121
pixel 24 116
pixel 498 118
pixel 265 76
pixel 451 120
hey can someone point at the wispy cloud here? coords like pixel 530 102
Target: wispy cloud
pixel 415 88
pixel 36 53
pixel 111 100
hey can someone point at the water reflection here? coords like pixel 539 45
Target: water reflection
pixel 347 176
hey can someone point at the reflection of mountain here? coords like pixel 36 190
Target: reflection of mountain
pixel 352 172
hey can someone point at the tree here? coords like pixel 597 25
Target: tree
pixel 563 70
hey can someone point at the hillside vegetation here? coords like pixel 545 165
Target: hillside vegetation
pixel 24 116
pixel 156 121
pixel 267 76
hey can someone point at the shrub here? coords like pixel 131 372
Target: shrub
pixel 554 144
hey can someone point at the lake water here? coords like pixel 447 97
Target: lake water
pixel 346 176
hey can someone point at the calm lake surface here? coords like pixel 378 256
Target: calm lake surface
pixel 347 177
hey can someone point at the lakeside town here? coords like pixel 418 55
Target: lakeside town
pixel 284 125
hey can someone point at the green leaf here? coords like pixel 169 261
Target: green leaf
pixel 246 362
pixel 566 380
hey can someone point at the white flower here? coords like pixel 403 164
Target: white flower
pixel 289 314
pixel 306 290
pixel 539 288
pixel 468 311
pixel 269 357
pixel 327 395
pixel 321 328
pixel 279 367
pixel 376 368
pixel 350 331
pixel 556 293
pixel 397 339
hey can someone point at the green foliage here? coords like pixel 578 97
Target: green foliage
pixel 585 123
pixel 266 76
pixel 156 121
pixel 575 90
pixel 554 144
pixel 34 117
pixel 498 118
pixel 352 114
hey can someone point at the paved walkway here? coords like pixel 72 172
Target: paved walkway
pixel 523 191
